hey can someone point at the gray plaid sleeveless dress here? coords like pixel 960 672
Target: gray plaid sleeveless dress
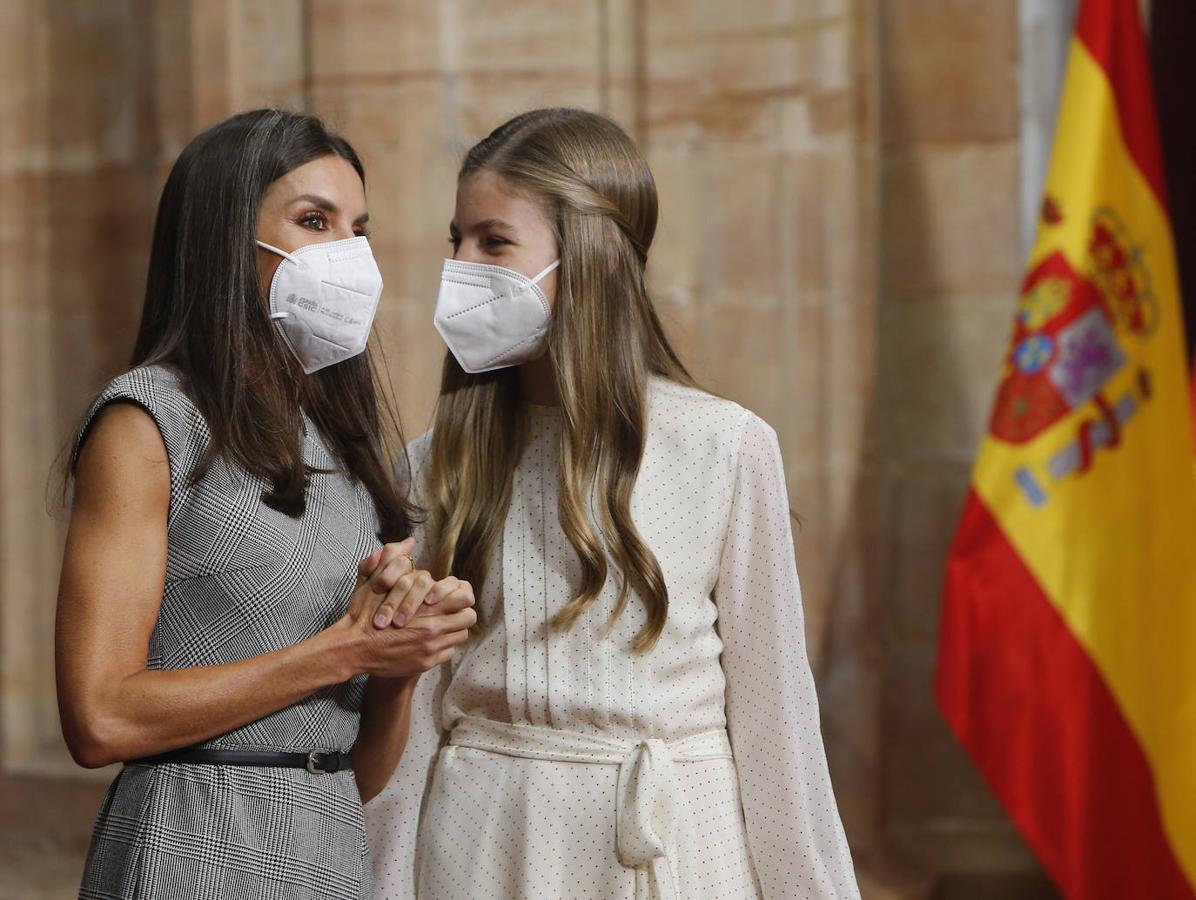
pixel 241 580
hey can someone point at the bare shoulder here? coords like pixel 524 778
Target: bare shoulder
pixel 122 456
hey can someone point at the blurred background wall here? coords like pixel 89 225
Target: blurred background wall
pixel 843 185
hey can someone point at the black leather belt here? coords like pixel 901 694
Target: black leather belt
pixel 318 762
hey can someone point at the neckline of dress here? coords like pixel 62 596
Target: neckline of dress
pixel 540 410
pixel 545 411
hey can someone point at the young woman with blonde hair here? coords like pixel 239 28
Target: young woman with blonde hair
pixel 635 716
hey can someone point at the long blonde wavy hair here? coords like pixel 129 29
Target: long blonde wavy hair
pixel 604 342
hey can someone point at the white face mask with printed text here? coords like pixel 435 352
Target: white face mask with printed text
pixel 491 317
pixel 323 298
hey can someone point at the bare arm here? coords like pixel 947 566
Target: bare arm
pixel 386 710
pixel 385 724
pixel 110 592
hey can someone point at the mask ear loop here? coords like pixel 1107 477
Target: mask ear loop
pixel 281 253
pixel 550 267
pixel 284 255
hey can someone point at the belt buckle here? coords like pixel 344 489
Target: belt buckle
pixel 315 767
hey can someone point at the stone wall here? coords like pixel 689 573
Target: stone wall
pixel 950 265
pixel 838 250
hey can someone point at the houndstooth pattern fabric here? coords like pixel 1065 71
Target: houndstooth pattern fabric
pixel 241 580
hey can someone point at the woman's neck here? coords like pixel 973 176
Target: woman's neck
pixel 538 382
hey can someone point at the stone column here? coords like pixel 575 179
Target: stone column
pixel 951 266
pixel 760 125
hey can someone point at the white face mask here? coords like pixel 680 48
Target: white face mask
pixel 491 317
pixel 323 298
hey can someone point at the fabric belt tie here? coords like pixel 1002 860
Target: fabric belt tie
pixel 646 818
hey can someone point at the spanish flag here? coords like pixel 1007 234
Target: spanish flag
pixel 1067 659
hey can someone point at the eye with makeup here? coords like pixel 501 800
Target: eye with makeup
pixel 316 220
pixel 313 220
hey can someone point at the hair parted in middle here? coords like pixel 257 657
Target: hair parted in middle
pixel 206 318
pixel 604 342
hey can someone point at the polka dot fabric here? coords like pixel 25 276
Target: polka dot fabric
pixel 460 823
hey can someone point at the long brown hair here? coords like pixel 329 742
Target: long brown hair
pixel 205 317
pixel 604 342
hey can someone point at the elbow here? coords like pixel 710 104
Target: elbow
pixel 369 786
pixel 367 782
pixel 370 773
pixel 92 740
pixel 91 756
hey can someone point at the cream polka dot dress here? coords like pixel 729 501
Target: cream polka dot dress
pixel 547 764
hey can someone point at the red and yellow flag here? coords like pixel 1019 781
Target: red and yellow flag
pixel 1067 664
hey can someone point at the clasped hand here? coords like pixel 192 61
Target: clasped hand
pixel 404 620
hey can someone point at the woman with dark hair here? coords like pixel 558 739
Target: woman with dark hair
pixel 238 606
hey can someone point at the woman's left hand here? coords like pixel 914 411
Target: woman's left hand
pixel 416 591
pixel 382 570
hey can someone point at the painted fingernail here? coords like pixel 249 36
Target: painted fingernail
pixel 380 620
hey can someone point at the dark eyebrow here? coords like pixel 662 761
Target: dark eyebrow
pixel 316 200
pixel 328 206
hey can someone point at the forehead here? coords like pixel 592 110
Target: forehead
pixel 488 195
pixel 330 177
